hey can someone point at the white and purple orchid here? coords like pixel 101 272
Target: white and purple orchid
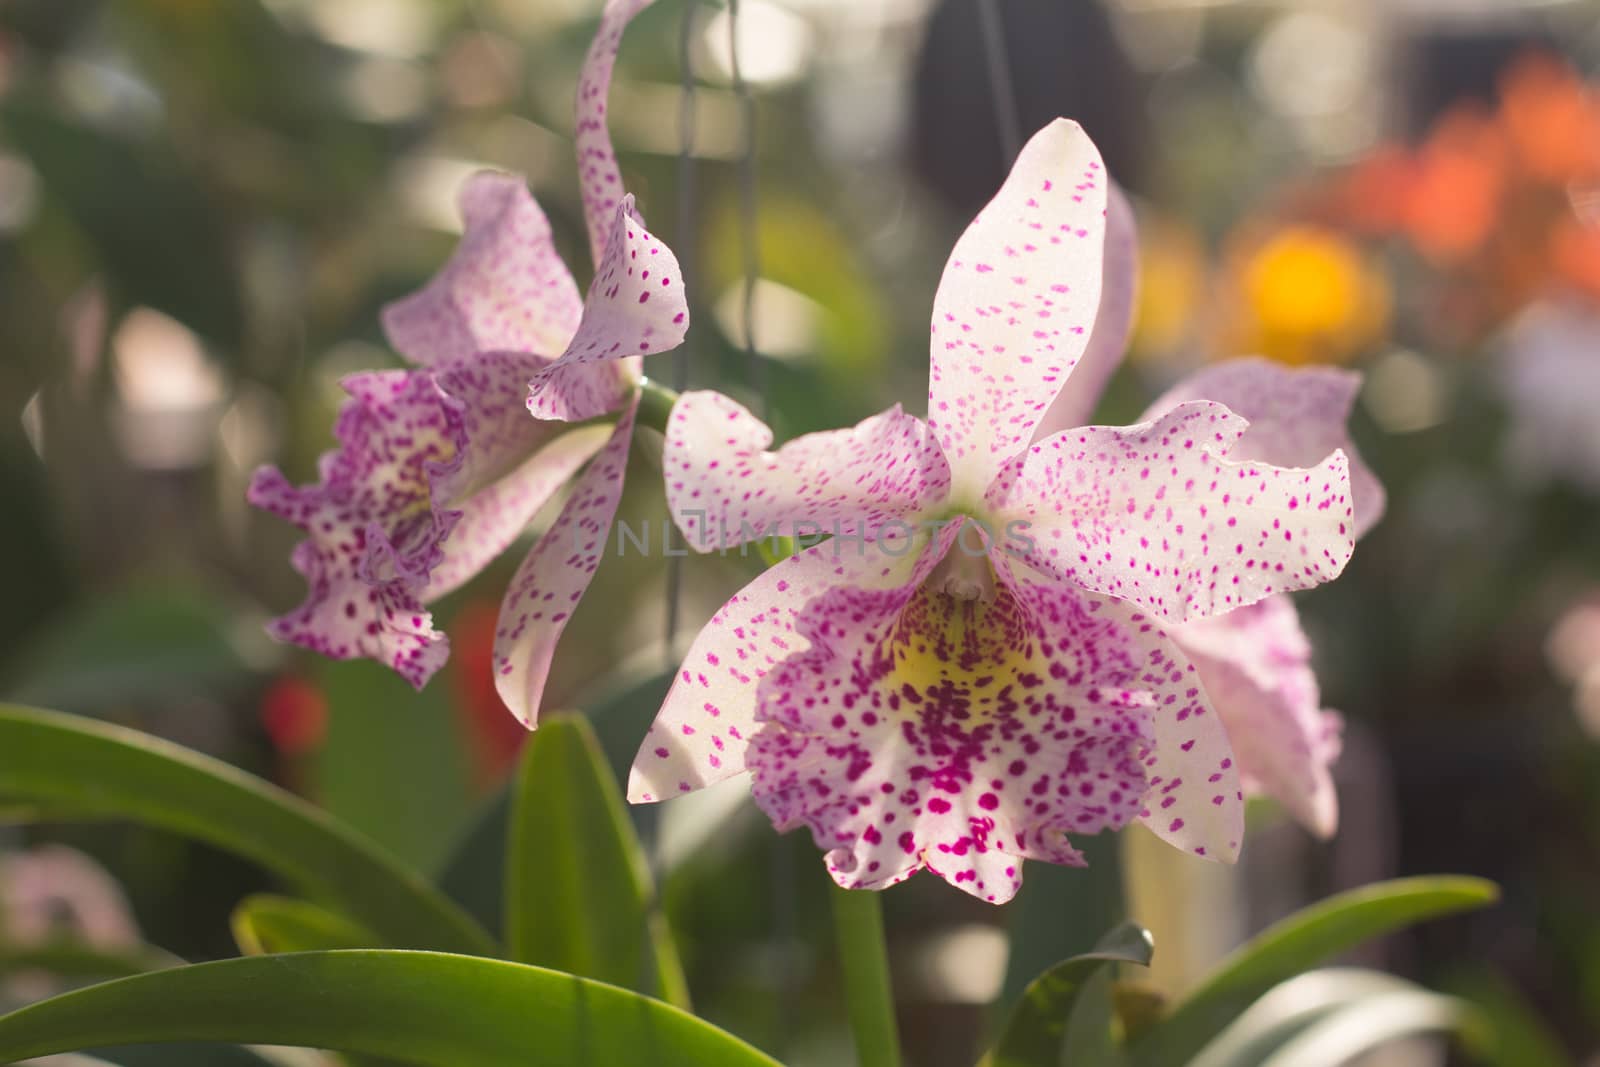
pixel 981 661
pixel 1255 662
pixel 439 468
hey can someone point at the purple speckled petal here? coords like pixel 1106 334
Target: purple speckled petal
pixel 345 616
pixel 1015 306
pixel 504 288
pixel 1297 417
pixel 724 488
pixel 374 522
pixel 635 307
pixel 964 735
pixel 1108 341
pixel 1194 799
pixel 1154 514
pixel 510 466
pixel 922 731
pixel 555 575
pixel 1255 664
pixel 598 173
pixel 496 515
pixel 699 735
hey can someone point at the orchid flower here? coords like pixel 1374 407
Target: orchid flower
pixel 1255 662
pixel 440 467
pixel 977 664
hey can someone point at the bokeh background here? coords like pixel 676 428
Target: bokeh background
pixel 204 203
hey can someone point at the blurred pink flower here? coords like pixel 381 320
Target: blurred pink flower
pixel 52 892
pixel 964 699
pixel 1550 380
pixel 441 467
pixel 1573 649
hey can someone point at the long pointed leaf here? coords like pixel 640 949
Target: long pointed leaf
pixel 89 768
pixel 1035 1034
pixel 1288 1010
pixel 264 924
pixel 426 1008
pixel 579 896
pixel 1297 944
pixel 73 959
pixel 1356 1029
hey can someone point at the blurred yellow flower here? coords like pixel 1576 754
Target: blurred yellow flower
pixel 1305 294
pixel 1172 278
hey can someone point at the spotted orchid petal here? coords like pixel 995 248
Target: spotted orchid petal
pixel 374 527
pixel 636 304
pixel 699 735
pixel 554 576
pixel 1297 417
pixel 1255 664
pixel 504 289
pixel 918 731
pixel 598 172
pixel 1113 321
pixel 725 488
pixel 1159 514
pixel 964 735
pixel 510 465
pixel 1016 304
pixel 1193 798
pixel 493 517
pixel 635 307
pixel 344 616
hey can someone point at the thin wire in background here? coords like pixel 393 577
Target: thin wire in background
pixel 781 865
pixel 1002 90
pixel 749 236
pixel 687 241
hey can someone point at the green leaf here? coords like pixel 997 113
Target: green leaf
pixel 579 896
pixel 89 768
pixel 393 765
pixel 149 641
pixel 264 924
pixel 73 959
pixel 1036 1033
pixel 1059 910
pixel 1291 1008
pixel 1352 1031
pixel 1089 1040
pixel 1298 944
pixel 427 1008
pixel 1517 1035
pixel 475 876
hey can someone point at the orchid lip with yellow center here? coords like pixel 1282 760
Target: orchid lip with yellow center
pixel 960 723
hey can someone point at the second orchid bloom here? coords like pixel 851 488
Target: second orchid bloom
pixel 440 468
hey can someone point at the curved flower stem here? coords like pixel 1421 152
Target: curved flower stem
pixel 858 927
pixel 655 404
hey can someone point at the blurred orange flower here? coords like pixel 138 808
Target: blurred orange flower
pixel 1173 266
pixel 1551 119
pixel 1304 294
pixel 1457 187
pixel 1490 198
